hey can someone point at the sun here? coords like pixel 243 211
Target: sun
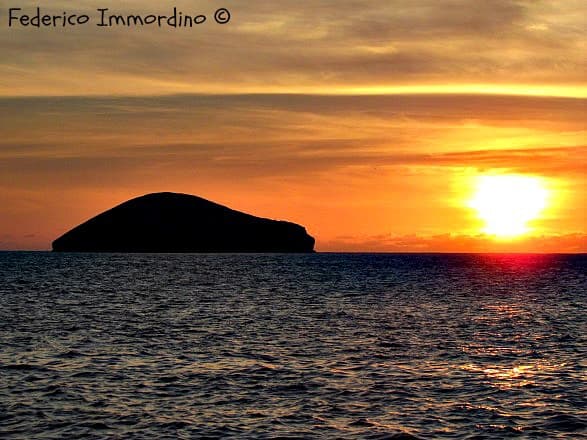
pixel 507 203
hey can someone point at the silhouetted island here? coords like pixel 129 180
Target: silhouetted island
pixel 170 222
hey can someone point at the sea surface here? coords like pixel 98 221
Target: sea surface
pixel 374 346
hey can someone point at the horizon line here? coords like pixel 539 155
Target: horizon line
pixel 302 253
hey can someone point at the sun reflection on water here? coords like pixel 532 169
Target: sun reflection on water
pixel 516 376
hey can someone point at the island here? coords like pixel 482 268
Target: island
pixel 172 222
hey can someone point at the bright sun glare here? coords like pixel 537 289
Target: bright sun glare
pixel 506 203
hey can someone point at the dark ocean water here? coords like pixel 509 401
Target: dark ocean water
pixel 264 346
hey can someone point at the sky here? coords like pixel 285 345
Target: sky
pixel 365 121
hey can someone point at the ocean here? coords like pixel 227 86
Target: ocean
pixel 374 346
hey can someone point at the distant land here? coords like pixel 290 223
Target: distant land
pixel 171 222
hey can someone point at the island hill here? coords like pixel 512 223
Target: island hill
pixel 170 222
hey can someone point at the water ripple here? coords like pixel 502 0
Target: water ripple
pixel 265 346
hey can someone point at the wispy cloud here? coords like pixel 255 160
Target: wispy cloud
pixel 57 139
pixel 291 45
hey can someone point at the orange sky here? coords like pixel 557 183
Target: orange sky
pixel 368 131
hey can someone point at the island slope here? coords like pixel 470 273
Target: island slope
pixel 171 222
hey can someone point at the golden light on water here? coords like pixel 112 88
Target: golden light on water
pixel 508 203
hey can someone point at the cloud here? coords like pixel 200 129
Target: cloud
pixel 290 134
pixel 459 243
pixel 291 45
